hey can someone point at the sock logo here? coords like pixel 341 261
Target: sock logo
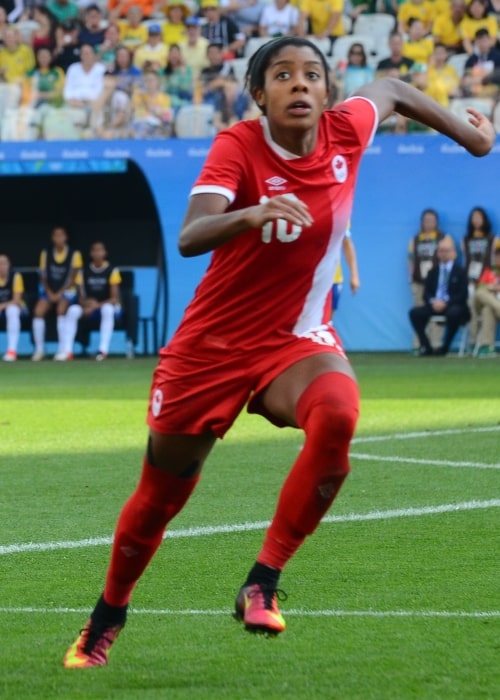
pixel 327 490
pixel 156 402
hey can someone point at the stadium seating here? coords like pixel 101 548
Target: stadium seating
pixel 239 66
pixel 195 122
pixel 20 124
pixel 458 106
pixel 26 28
pixel 254 43
pixel 343 44
pixel 463 333
pixel 377 25
pixel 10 95
pixel 63 124
pixel 458 62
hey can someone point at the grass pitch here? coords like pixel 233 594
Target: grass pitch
pixel 394 597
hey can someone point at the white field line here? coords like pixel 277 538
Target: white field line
pixel 415 460
pixel 259 525
pixel 475 614
pixel 425 433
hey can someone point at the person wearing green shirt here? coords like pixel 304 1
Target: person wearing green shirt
pixel 63 9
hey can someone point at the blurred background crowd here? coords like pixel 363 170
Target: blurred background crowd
pixel 144 69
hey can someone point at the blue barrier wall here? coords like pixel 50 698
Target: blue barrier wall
pixel 399 177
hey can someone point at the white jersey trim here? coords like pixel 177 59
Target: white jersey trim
pixel 214 189
pixel 313 310
pixel 282 152
pixel 375 109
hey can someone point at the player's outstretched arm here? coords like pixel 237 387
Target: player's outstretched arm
pixel 207 224
pixel 393 95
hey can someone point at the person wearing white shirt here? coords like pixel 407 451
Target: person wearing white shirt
pixel 84 79
pixel 279 19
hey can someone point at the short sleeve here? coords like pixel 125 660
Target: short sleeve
pixel 362 116
pixel 77 261
pixel 18 283
pixel 115 277
pixel 223 168
pixel 42 264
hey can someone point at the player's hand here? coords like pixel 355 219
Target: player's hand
pixel 281 207
pixel 355 284
pixel 438 305
pixel 90 305
pixel 486 132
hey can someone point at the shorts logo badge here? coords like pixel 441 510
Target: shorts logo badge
pixel 339 167
pixel 156 402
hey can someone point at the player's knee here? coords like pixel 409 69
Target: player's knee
pixel 332 423
pixel 328 410
pixel 12 312
pixel 74 312
pixel 107 311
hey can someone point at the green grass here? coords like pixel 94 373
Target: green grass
pixel 72 438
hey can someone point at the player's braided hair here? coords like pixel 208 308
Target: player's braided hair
pixel 260 60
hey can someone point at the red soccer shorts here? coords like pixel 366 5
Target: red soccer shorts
pixel 192 394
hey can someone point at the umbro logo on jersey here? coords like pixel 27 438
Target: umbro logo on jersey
pixel 276 183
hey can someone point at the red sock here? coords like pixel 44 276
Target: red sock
pixel 158 498
pixel 327 411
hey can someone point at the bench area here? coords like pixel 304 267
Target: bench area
pixel 128 322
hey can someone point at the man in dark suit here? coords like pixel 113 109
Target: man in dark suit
pixel 446 294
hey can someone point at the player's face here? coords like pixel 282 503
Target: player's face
pixel 429 222
pixel 59 237
pixel 295 91
pixel 98 253
pixel 4 266
pixel 477 219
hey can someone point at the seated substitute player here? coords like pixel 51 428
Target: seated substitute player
pixel 11 305
pixel 58 267
pixel 98 297
pixel 254 332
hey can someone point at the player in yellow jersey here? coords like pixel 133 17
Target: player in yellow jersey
pixel 11 305
pixel 352 263
pixel 58 267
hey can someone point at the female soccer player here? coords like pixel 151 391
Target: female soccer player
pixel 58 267
pixel 273 201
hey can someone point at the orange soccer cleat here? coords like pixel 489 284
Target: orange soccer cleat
pixel 92 646
pixel 257 607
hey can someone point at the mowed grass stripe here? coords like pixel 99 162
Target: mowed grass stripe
pixel 259 525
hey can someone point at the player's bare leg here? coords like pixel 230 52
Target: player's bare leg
pixel 319 395
pixel 171 470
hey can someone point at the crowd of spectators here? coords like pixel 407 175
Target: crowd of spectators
pixel 124 69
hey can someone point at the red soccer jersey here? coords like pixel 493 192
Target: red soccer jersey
pixel 266 284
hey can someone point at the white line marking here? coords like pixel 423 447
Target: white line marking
pixel 476 614
pixel 260 525
pixel 425 433
pixel 414 460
